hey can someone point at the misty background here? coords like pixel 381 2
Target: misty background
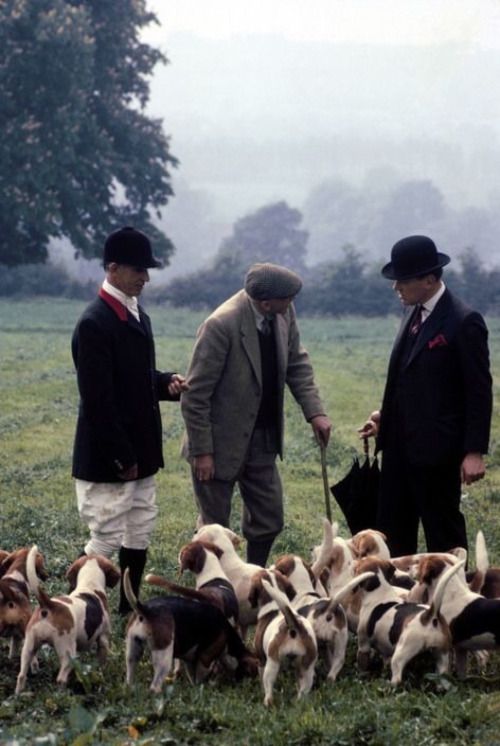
pixel 369 141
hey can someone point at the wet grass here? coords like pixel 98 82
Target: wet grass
pixel 38 403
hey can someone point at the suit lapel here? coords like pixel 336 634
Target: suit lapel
pixel 250 340
pixel 399 342
pixel 281 338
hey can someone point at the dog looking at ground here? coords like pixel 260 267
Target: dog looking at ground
pixel 397 630
pixel 70 623
pixel 212 583
pixel 196 632
pixel 327 617
pixel 281 633
pixel 474 620
pixel 239 573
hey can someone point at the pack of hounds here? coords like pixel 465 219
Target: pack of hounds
pixel 248 620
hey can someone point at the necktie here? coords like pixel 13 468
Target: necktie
pixel 265 326
pixel 417 321
pixel 132 305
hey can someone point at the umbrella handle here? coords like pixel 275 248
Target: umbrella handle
pixel 366 446
pixel 326 489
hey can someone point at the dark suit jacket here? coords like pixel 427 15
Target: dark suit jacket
pixel 119 421
pixel 439 401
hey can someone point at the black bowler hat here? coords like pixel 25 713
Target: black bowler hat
pixel 414 256
pixel 129 246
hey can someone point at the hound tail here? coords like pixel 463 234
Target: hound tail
pixel 36 588
pixel 352 585
pixel 330 531
pixel 482 559
pixel 176 588
pixel 130 595
pixel 293 621
pixel 437 598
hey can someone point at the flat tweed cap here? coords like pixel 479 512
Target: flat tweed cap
pixel 266 281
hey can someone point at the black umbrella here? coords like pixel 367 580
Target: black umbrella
pixel 357 493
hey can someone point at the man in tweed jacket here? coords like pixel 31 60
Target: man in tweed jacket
pixel 245 353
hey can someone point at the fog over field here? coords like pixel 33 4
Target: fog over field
pixel 373 119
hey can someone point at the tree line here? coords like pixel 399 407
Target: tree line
pixel 349 284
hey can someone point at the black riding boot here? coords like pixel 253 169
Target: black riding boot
pixel 258 551
pixel 135 560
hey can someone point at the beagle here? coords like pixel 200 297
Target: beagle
pixel 196 632
pixel 409 563
pixel 212 583
pixel 281 633
pixel 398 630
pixel 327 617
pixel 239 573
pixel 370 543
pixel 473 619
pixel 15 605
pixel 70 623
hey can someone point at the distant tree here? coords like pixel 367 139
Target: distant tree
pixel 413 207
pixel 337 214
pixel 78 156
pixel 475 285
pixel 271 234
pixel 346 286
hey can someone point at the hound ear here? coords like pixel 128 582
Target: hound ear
pixel 236 540
pixel 211 547
pixel 370 584
pixel 40 568
pixel 285 585
pixel 72 573
pixel 111 573
pixel 389 571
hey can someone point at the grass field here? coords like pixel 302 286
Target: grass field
pixel 38 402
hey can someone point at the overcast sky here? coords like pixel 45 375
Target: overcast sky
pixel 363 21
pixel 267 100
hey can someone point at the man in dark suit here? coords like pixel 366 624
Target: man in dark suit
pixel 118 441
pixel 433 428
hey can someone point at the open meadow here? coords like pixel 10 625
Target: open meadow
pixel 38 403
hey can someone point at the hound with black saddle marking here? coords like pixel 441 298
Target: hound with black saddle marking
pixel 473 619
pixel 212 583
pixel 196 632
pixel 326 615
pixel 70 623
pixel 397 630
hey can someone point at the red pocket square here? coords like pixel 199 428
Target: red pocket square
pixel 439 341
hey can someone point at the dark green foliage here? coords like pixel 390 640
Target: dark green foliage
pixel 78 157
pixel 25 281
pixel 271 234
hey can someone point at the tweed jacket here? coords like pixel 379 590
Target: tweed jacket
pixel 225 384
pixel 119 420
pixel 443 389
